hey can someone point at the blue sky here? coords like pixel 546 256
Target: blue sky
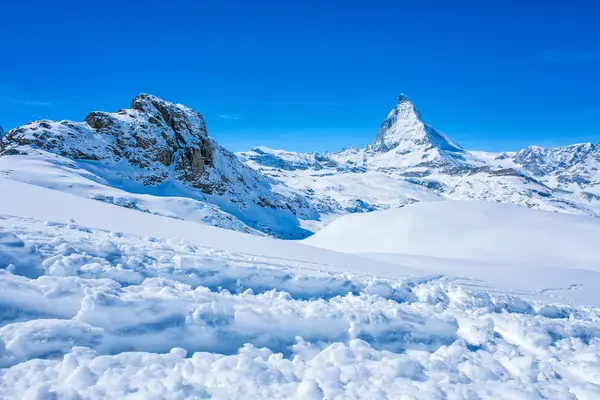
pixel 313 75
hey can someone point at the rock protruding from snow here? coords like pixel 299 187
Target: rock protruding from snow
pixel 573 167
pixel 159 143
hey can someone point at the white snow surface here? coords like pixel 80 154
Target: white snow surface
pixel 471 230
pixel 551 253
pixel 100 301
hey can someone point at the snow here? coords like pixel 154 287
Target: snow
pixel 59 173
pixel 470 230
pixel 113 284
pixel 553 253
pixel 63 207
pixel 125 304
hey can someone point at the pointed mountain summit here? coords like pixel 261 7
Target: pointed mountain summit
pixel 404 129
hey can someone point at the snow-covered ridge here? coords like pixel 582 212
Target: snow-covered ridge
pixel 157 157
pixel 154 148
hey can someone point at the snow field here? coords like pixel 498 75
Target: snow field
pixel 102 314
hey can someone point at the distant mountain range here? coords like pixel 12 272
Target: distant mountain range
pixel 410 161
pixel 157 157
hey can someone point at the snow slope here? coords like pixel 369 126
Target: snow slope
pixel 59 206
pixel 502 245
pixel 472 230
pixel 100 301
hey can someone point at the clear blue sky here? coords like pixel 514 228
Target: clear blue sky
pixel 313 75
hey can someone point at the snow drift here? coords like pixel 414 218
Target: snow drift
pixel 469 230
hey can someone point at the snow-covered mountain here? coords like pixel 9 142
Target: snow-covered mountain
pixel 445 299
pixel 410 161
pixel 155 157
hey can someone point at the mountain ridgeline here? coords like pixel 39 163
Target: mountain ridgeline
pixel 157 157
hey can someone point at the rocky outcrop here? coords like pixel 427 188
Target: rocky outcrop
pixel 156 142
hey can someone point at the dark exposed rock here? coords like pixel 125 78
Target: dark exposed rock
pixel 99 120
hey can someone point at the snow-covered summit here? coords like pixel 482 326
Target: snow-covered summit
pixel 404 129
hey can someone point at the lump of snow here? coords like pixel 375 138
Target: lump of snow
pixel 18 258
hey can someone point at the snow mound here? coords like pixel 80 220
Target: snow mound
pixel 469 230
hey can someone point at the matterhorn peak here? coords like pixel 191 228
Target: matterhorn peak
pixel 402 98
pixel 403 128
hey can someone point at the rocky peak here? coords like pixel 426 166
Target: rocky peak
pixel 404 129
pixel 156 142
pixel 183 120
pixel 151 135
pixel 2 133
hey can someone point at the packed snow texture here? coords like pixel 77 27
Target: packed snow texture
pixel 99 301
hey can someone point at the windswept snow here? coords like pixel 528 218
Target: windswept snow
pixel 121 304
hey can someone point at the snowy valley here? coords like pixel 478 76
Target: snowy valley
pixel 140 259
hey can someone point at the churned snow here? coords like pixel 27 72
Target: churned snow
pixel 100 301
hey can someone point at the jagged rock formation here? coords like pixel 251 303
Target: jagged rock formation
pixel 159 144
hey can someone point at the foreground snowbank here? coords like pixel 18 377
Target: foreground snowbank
pixel 102 302
pixel 122 316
